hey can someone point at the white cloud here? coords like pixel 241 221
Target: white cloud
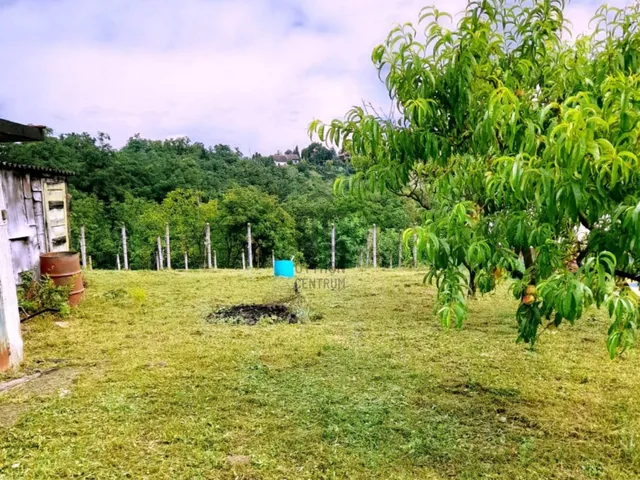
pixel 249 73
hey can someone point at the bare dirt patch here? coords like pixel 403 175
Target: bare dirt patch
pixel 10 413
pixel 21 396
pixel 251 314
pixel 235 460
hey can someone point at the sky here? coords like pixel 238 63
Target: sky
pixel 249 73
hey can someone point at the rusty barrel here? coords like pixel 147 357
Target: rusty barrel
pixel 64 269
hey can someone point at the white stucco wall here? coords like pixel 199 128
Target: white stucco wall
pixel 10 334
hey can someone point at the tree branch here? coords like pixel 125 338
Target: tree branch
pixel 527 255
pixel 629 276
pixel 618 273
pixel 584 221
pixel 581 255
pixel 412 195
pixel 517 274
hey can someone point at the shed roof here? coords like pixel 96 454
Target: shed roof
pixel 17 132
pixel 33 168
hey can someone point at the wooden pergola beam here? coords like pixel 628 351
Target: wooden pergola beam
pixel 16 132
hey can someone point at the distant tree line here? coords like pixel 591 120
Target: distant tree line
pixel 147 184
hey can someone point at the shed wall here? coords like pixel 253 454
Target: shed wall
pixel 27 217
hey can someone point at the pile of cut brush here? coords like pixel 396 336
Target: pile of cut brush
pixel 251 314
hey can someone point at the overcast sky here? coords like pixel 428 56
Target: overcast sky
pixel 249 73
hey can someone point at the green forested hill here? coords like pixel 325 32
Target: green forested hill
pixel 148 183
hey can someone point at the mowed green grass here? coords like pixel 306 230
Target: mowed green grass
pixel 375 389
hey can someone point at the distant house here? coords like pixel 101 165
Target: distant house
pixel 282 160
pixel 293 158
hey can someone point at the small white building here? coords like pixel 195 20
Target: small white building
pixel 282 160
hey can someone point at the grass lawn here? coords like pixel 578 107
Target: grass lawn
pixel 146 388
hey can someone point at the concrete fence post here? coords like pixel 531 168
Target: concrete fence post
pixel 83 247
pixel 249 246
pixel 167 244
pixel 415 251
pixel 375 247
pixel 125 255
pixel 160 255
pixel 333 247
pixel 208 246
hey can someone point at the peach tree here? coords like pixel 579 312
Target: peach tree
pixel 521 144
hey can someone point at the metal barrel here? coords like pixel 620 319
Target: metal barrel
pixel 64 269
